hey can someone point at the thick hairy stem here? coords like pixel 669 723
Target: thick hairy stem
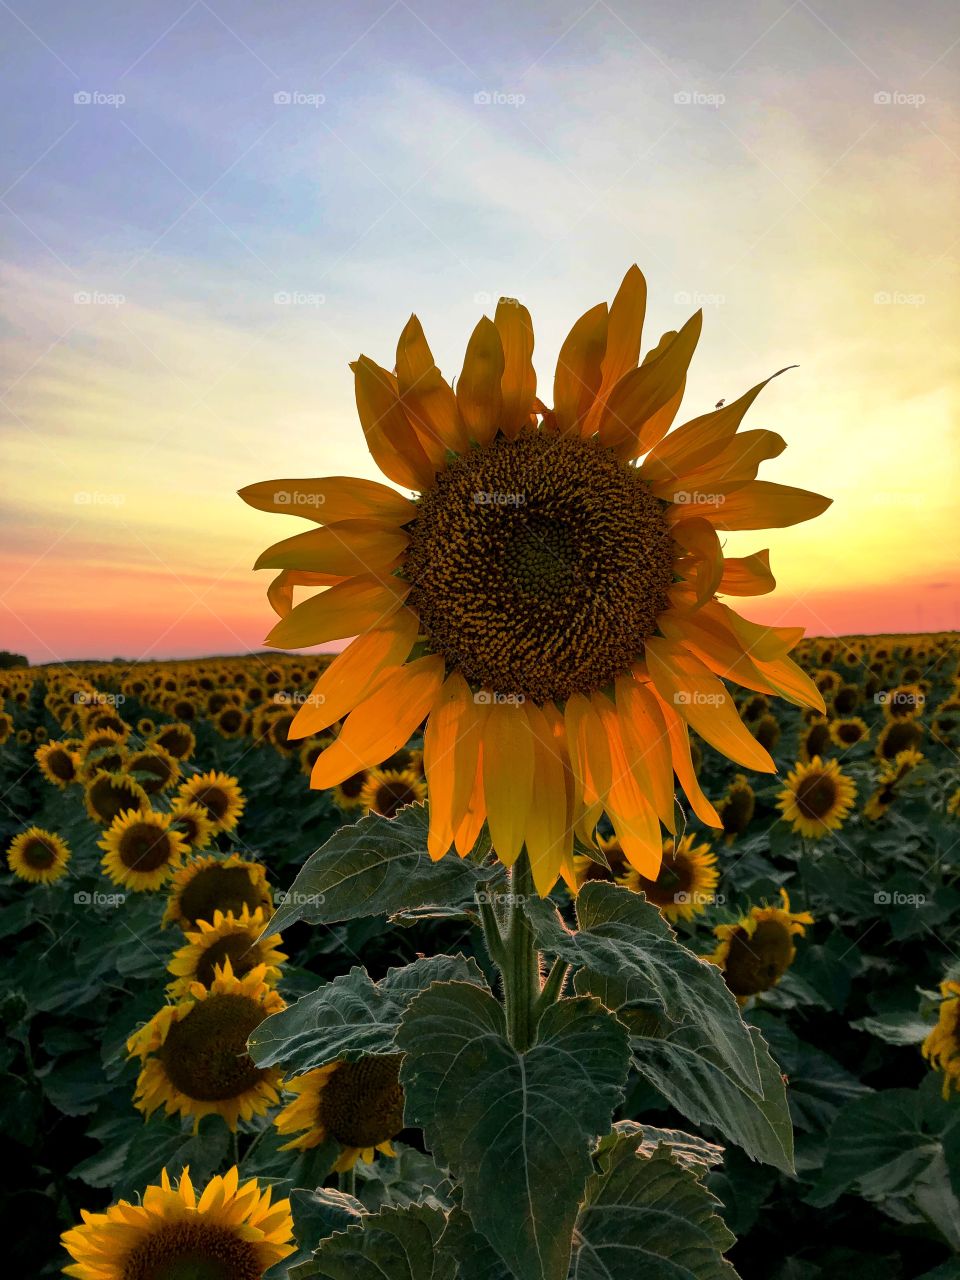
pixel 521 960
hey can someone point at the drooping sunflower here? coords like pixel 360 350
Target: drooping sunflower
pixel 767 732
pixel 547 603
pixel 756 951
pixel 387 791
pixel 817 798
pixel 193 824
pixel 736 808
pixel 231 1232
pixel 227 937
pixel 941 1048
pixel 817 739
pixel 154 768
pixel 685 885
pixel 57 764
pixel 142 849
pixel 38 856
pixel 107 795
pixel 210 883
pixel 359 1104
pixel 218 794
pixel 904 734
pixel 194 1053
pixel 177 738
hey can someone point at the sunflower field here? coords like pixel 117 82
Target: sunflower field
pixel 523 939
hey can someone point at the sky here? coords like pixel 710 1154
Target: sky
pixel 209 210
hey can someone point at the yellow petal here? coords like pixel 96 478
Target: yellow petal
pixel 451 746
pixel 628 804
pixel 732 467
pixel 344 610
pixel 705 558
pixel 643 392
pixel 332 498
pixel 578 375
pixel 519 382
pixel 747 575
pixel 757 505
pixel 466 833
pixel 646 744
pixel 624 335
pixel 549 832
pixel 280 590
pixel 589 752
pixel 390 438
pixel 382 723
pixel 479 397
pixel 683 763
pixel 346 548
pixel 507 777
pixel 427 397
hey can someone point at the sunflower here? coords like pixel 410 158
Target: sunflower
pixel 6 727
pixel 756 951
pixel 178 739
pixel 946 723
pixel 210 883
pixel 586 868
pixel 57 764
pixel 953 804
pixel 817 797
pixel 232 1231
pixel 146 726
pixel 109 794
pixel 547 603
pixel 192 823
pixel 236 938
pixel 904 734
pixel 311 750
pixel 905 702
pixel 846 700
pixel 348 794
pixel 387 791
pixel 230 722
pixel 942 1046
pixel 154 768
pixel 767 732
pixel 688 878
pixel 359 1104
pixel 193 1054
pixel 817 740
pixel 218 794
pixel 849 731
pixel 142 849
pixel 878 804
pixel 38 856
pixel 736 808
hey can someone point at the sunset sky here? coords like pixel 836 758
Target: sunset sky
pixel 208 211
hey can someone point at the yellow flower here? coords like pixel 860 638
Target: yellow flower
pixel 231 1231
pixel 194 1054
pixel 687 880
pixel 142 849
pixel 756 952
pixel 57 764
pixel 736 808
pixel 216 793
pixel 177 738
pixel 38 856
pixel 213 883
pixel 547 602
pixel 348 794
pixel 904 734
pixel 107 795
pixel 942 1046
pixel 229 937
pixel 387 791
pixel 359 1104
pixel 193 823
pixel 848 732
pixel 817 798
pixel 585 868
pixel 816 741
pixel 154 768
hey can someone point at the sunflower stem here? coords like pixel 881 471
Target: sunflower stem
pixel 347 1181
pixel 521 960
pixel 553 986
pixel 236 1149
pixel 492 933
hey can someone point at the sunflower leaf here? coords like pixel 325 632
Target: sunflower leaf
pixel 622 936
pixel 352 1015
pixel 394 1244
pixel 378 866
pixel 517 1129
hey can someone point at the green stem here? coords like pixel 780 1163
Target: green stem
pixel 492 935
pixel 236 1148
pixel 553 987
pixel 347 1181
pixel 521 960
pixel 249 1151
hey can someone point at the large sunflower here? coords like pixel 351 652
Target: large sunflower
pixel 142 849
pixel 194 1053
pixel 236 938
pixel 232 1232
pixel 359 1104
pixel 756 951
pixel 211 883
pixel 218 794
pixel 108 795
pixel 942 1046
pixel 38 856
pixel 817 797
pixel 548 600
pixel 687 880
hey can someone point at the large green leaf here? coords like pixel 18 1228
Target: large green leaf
pixel 374 867
pixel 517 1129
pixel 622 936
pixel 394 1244
pixel 648 1215
pixel 352 1015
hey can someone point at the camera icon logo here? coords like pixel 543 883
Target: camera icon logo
pixel 483 697
pixel 882 898
pixel 82 99
pixel 282 98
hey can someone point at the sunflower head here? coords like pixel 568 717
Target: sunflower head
pixel 6 727
pixel 756 952
pixel 38 856
pixel 817 798
pixel 154 768
pixel 849 731
pixel 178 739
pixel 230 1232
pixel 904 734
pixel 359 1104
pixel 107 795
pixel 687 880
pixel 211 883
pixel 348 794
pixel 218 794
pixel 228 938
pixel 193 824
pixel 194 1059
pixel 142 849
pixel 736 808
pixel 387 791
pixel 817 739
pixel 587 868
pixel 231 722
pixel 767 731
pixel 941 1048
pixel 57 764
